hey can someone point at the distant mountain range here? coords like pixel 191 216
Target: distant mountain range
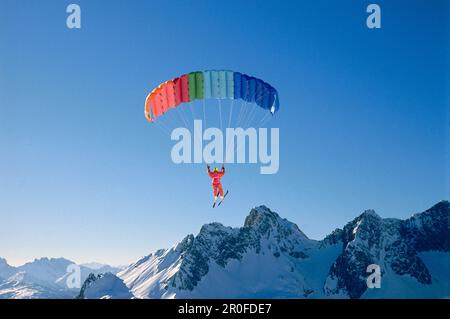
pixel 43 278
pixel 269 257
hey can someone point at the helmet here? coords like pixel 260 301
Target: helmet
pixel 216 169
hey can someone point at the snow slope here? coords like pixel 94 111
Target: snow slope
pixel 104 286
pixel 41 278
pixel 5 269
pixel 269 257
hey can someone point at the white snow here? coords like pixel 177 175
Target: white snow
pixel 283 264
pixel 405 286
pixel 41 278
pixel 108 286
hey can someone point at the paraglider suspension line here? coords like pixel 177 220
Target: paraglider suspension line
pixel 220 114
pixel 204 114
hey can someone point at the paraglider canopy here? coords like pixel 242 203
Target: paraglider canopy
pixel 212 84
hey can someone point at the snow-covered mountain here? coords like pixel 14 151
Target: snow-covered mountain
pixel 407 252
pixel 22 286
pixel 102 268
pixel 257 260
pixel 42 278
pixel 270 257
pixel 5 269
pixel 104 286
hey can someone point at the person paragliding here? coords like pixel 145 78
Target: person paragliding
pixel 213 85
pixel 216 175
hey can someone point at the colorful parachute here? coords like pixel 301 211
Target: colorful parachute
pixel 210 85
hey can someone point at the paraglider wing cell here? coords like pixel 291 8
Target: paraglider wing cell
pixel 213 84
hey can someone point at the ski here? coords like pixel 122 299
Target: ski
pixel 215 202
pixel 222 198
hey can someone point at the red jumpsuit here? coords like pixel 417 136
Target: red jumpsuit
pixel 216 176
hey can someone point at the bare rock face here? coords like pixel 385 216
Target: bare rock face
pixel 271 257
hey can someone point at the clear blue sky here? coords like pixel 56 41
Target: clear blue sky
pixel 363 120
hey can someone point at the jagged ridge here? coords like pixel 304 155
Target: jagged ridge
pixel 217 251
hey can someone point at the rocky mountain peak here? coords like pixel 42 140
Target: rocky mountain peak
pixel 5 269
pixel 260 215
pixel 3 261
pixel 185 244
pixel 443 205
pixel 394 243
pixel 214 229
pixel 370 213
pixel 47 261
pixel 264 221
pixel 270 256
pixel 429 230
pixel 104 286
